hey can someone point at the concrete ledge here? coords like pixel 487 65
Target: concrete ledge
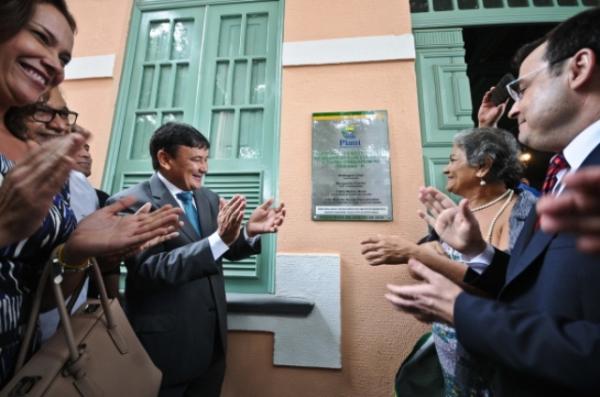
pixel 348 50
pixel 92 67
pixel 268 304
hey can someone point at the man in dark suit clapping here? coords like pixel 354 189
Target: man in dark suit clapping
pixel 541 330
pixel 175 292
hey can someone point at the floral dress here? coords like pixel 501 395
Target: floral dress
pixel 20 266
pixel 464 374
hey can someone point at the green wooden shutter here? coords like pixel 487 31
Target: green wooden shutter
pixel 447 13
pixel 217 67
pixel 444 96
pixel 162 65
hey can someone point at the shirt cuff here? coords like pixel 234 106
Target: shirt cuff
pixel 251 240
pixel 482 260
pixel 217 246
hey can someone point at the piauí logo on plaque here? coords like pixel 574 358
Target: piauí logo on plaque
pixel 349 139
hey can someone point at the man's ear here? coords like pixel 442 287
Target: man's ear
pixel 164 159
pixel 582 68
pixel 484 168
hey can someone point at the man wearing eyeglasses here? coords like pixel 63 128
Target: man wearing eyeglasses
pixel 44 121
pixel 540 325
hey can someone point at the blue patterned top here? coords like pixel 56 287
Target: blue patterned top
pixel 20 266
pixel 464 374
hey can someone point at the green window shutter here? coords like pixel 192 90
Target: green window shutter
pixel 444 96
pixel 217 67
pixel 162 65
pixel 446 13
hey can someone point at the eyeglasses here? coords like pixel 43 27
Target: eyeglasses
pixel 45 114
pixel 514 87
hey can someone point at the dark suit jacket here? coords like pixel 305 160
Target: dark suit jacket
pixel 543 332
pixel 175 292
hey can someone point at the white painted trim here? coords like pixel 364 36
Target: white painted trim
pixel 349 50
pixel 91 67
pixel 312 341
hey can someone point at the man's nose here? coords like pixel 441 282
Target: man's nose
pixel 58 124
pixel 514 110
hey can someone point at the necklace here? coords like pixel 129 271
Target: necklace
pixel 500 211
pixel 508 192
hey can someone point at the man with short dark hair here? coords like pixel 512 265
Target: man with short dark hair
pixel 175 292
pixel 542 330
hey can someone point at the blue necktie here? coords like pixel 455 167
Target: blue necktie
pixel 190 211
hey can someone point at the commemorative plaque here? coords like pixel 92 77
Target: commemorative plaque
pixel 351 167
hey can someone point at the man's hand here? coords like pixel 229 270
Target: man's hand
pixel 489 114
pixel 229 220
pixel 106 232
pixel 265 219
pixel 576 209
pixel 432 300
pixel 383 249
pixel 28 189
pixel 455 225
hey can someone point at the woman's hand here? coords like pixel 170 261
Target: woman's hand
pixel 384 249
pixel 28 189
pixel 456 225
pixel 106 232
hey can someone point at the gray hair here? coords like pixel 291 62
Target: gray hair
pixel 496 144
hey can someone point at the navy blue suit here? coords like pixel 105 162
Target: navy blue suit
pixel 543 330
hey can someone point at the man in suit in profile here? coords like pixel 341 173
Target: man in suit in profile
pixel 542 330
pixel 175 292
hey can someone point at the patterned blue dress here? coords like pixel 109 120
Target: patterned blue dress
pixel 20 266
pixel 464 374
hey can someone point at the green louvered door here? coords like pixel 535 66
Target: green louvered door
pixel 217 68
pixel 444 96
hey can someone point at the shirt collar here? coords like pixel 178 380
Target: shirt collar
pixel 582 145
pixel 170 187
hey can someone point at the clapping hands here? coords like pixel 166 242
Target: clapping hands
pixel 266 219
pixel 455 224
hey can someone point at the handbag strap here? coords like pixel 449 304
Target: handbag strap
pixel 54 269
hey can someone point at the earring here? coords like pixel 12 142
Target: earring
pixel 482 182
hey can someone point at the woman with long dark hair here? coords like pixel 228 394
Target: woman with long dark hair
pixel 36 40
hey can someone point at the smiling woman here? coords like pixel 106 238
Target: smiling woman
pixel 37 43
pixel 36 39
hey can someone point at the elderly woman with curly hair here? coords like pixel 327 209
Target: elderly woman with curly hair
pixel 484 168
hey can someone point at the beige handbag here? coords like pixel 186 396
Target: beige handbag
pixel 102 355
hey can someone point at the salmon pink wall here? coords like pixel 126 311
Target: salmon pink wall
pixel 102 27
pixel 375 338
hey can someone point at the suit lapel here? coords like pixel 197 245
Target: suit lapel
pixel 204 212
pixel 526 232
pixel 531 242
pixel 534 248
pixel 162 196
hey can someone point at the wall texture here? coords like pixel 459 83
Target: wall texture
pixel 102 27
pixel 375 338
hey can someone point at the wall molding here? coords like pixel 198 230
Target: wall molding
pixel 348 50
pixel 92 67
pixel 311 341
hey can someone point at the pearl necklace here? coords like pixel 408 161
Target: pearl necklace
pixel 508 192
pixel 500 211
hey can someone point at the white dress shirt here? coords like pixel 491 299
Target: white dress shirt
pixel 84 201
